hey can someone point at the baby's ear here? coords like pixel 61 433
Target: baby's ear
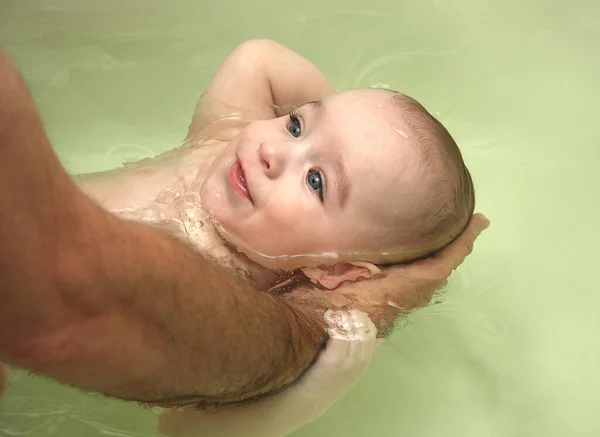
pixel 331 277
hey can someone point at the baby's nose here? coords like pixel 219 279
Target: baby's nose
pixel 272 157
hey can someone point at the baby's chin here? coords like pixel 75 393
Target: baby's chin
pixel 280 263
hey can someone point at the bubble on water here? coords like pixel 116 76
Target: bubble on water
pixel 381 85
pixel 129 153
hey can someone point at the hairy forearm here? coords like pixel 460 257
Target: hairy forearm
pixel 168 326
pixel 272 416
pixel 119 307
pixel 32 183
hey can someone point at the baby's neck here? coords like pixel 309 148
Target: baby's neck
pixel 164 192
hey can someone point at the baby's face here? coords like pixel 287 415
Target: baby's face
pixel 328 179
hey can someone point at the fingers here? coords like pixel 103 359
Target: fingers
pixel 476 226
pixel 363 338
pixel 338 346
pixel 351 333
pixel 344 360
pixel 367 335
pixel 480 222
pixel 448 259
pixel 458 250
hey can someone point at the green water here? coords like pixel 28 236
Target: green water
pixel 513 350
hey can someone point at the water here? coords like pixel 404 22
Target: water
pixel 512 350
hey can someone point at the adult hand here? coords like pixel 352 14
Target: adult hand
pixel 401 288
pixel 123 308
pixel 343 361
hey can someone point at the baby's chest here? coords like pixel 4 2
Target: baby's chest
pixel 183 217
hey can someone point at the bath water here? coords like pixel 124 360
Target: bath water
pixel 512 349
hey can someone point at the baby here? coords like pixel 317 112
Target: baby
pixel 338 185
pixel 280 174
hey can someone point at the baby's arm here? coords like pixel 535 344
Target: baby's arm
pixel 260 79
pixel 343 362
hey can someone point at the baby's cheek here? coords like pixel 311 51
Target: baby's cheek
pixel 291 229
pixel 283 214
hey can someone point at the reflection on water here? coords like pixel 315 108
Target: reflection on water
pixel 511 349
pixel 36 407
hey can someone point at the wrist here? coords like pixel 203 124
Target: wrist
pixel 307 336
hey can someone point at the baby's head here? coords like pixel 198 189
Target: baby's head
pixel 363 177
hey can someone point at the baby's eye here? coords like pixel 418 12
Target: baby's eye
pixel 294 127
pixel 315 182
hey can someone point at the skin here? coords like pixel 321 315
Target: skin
pixel 74 278
pixel 326 145
pixel 339 366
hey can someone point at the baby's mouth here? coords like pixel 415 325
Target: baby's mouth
pixel 242 178
pixel 237 178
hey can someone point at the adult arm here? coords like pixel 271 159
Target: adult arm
pixel 124 309
pixel 340 365
pixel 119 307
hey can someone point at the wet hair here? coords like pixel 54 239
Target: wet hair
pixel 441 216
pixel 450 182
pixel 450 202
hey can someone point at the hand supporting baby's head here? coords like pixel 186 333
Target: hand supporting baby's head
pixel 398 289
pixel 341 187
pixel 364 178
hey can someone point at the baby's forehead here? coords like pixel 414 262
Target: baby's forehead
pixel 373 106
pixel 363 95
pixel 378 142
pixel 368 113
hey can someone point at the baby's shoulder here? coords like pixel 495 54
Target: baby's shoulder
pixel 217 119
